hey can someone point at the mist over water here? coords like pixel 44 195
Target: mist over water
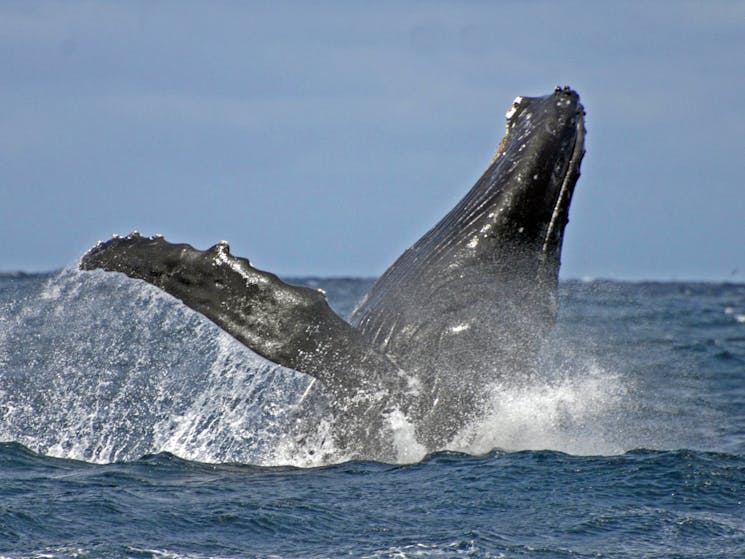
pixel 98 367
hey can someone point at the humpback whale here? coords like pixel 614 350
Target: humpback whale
pixel 467 306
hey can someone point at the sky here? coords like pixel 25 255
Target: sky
pixel 324 138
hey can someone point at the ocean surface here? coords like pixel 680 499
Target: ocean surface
pixel 130 426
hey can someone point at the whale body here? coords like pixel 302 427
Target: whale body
pixel 466 306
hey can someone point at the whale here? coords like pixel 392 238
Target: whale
pixel 465 308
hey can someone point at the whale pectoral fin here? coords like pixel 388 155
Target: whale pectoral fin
pixel 289 325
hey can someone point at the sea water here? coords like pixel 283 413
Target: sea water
pixel 133 427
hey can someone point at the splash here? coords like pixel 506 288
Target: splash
pixel 112 370
pixel 577 413
pixel 105 369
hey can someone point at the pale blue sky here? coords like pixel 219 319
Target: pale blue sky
pixel 323 138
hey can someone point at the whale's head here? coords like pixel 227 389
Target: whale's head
pixel 483 282
pixel 521 203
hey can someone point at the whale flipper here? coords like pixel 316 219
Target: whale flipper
pixel 290 325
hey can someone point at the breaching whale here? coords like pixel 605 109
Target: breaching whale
pixel 467 306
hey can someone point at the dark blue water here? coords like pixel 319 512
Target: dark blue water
pixel 136 429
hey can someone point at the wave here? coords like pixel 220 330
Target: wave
pixel 14 456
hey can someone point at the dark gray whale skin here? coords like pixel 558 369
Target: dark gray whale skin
pixel 467 306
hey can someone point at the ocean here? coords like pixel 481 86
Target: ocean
pixel 133 427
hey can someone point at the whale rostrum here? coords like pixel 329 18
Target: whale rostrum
pixel 467 306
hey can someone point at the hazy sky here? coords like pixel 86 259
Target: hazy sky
pixel 324 138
